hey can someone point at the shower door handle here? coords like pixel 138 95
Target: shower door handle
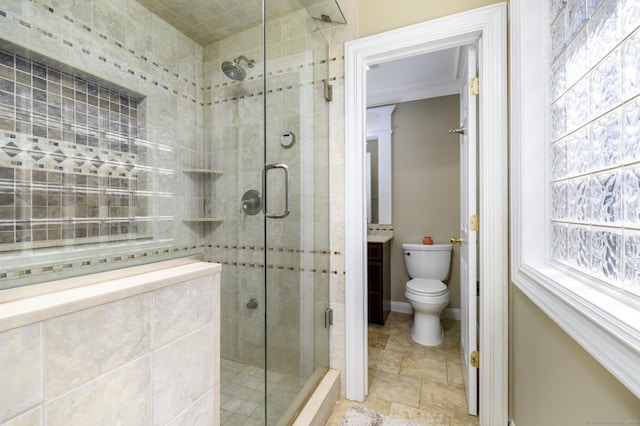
pixel 287 201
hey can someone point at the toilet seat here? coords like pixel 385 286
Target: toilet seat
pixel 426 287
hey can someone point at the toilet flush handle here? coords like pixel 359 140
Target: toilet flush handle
pixel 455 240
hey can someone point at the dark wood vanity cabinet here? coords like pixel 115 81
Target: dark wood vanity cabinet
pixel 379 282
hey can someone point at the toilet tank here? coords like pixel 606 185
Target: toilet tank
pixel 427 261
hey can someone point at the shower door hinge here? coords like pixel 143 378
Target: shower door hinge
pixel 328 318
pixel 328 91
pixel 474 223
pixel 474 359
pixel 474 86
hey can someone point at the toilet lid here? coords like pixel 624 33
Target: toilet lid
pixel 426 286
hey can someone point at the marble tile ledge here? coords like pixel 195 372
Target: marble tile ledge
pixel 111 286
pixel 380 238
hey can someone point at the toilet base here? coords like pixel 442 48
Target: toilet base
pixel 427 329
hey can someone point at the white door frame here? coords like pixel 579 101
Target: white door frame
pixel 488 25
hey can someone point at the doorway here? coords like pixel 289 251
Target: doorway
pixel 487 27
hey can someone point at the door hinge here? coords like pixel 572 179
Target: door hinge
pixel 328 318
pixel 474 86
pixel 474 222
pixel 474 359
pixel 328 91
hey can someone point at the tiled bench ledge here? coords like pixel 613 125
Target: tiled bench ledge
pixel 25 305
pixel 138 349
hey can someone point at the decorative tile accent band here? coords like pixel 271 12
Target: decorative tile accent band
pixel 280 267
pixel 161 253
pixel 68 157
pixel 276 249
pixel 382 228
pixel 277 264
pixel 114 260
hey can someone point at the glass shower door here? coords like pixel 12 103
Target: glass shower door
pixel 266 126
pixel 296 207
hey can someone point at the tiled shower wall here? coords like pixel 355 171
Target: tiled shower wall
pixel 337 35
pixel 117 180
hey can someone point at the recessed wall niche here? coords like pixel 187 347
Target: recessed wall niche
pixel 70 156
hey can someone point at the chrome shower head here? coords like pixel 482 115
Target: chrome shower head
pixel 234 70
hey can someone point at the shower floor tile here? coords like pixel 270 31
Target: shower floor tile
pixel 242 393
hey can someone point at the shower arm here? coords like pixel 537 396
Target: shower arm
pixel 249 62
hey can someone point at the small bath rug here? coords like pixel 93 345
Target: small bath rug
pixel 360 416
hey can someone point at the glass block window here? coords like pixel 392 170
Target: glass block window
pixel 69 157
pixel 595 138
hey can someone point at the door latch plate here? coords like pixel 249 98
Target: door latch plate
pixel 328 318
pixel 474 359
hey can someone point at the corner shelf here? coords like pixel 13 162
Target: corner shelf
pixel 207 175
pixel 202 219
pixel 204 171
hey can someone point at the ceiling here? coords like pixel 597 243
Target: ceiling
pixel 417 77
pixel 206 21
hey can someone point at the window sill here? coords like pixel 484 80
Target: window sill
pixel 605 325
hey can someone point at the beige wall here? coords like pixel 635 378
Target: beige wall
pixel 376 16
pixel 554 381
pixel 426 184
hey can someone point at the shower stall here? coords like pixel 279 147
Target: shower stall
pixel 135 131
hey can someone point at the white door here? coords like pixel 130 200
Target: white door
pixel 468 245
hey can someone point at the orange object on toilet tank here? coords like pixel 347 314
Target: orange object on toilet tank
pixel 427 241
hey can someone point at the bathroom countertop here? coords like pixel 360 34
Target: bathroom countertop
pixel 372 238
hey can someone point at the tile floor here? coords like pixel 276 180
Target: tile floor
pixel 242 394
pixel 411 381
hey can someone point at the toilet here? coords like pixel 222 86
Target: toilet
pixel 428 266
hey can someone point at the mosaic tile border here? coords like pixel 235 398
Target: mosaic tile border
pixel 83 263
pixel 277 249
pixel 150 254
pixel 280 267
pixel 260 265
pixel 67 157
pixel 374 227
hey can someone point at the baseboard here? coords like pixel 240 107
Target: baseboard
pixel 401 307
pixel 452 314
pixel 405 308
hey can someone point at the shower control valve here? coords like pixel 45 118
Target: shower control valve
pixel 251 202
